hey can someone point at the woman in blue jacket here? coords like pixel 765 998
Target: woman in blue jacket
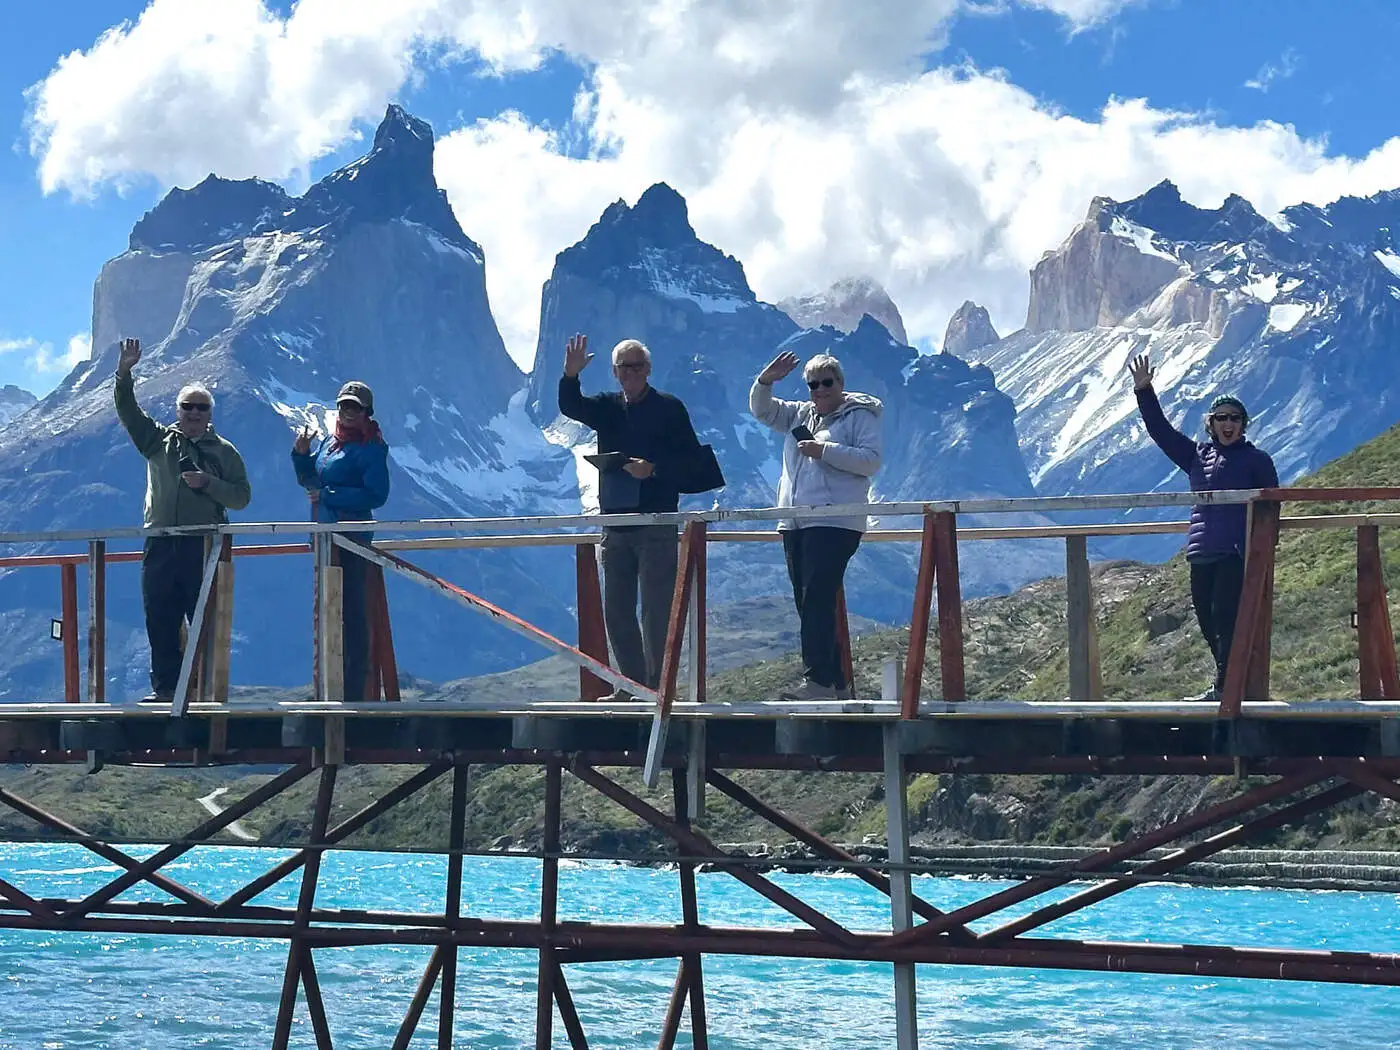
pixel 347 479
pixel 1215 541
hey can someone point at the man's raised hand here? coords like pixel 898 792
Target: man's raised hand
pixel 1140 368
pixel 576 355
pixel 778 368
pixel 130 354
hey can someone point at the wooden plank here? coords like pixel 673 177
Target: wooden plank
pixel 69 594
pixel 1261 651
pixel 1080 619
pixel 843 640
pixel 1259 558
pixel 334 737
pixel 950 624
pixel 692 538
pixel 592 629
pixel 699 653
pixel 332 646
pixel 221 642
pixel 97 622
pixel 1374 635
pixel 387 663
pixel 919 622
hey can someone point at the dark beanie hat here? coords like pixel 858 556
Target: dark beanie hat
pixel 1230 399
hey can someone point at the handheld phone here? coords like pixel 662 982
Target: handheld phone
pixel 187 464
pixel 802 433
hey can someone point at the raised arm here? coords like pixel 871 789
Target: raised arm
pixel 1179 448
pixel 774 411
pixel 145 432
pixel 572 403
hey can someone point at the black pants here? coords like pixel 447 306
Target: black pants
pixel 816 564
pixel 1215 594
pixel 643 559
pixel 354 623
pixel 171 570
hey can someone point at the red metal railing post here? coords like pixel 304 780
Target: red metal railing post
pixel 1247 673
pixel 383 679
pixel 1375 640
pixel 69 576
pixel 950 625
pixel 592 631
pixel 918 622
pixel 843 640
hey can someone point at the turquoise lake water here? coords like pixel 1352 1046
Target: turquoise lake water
pixel 73 990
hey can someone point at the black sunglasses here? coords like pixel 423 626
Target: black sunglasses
pixel 812 384
pixel 1230 417
pixel 196 406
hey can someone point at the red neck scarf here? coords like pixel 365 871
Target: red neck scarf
pixel 356 435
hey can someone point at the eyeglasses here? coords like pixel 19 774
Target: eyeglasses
pixel 1227 417
pixel 196 406
pixel 812 384
pixel 350 406
pixel 631 366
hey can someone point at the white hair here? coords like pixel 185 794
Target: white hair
pixel 630 344
pixel 823 362
pixel 195 388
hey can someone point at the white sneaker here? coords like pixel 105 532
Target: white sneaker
pixel 1210 696
pixel 617 696
pixel 809 691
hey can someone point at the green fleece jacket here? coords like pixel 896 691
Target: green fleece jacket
pixel 169 501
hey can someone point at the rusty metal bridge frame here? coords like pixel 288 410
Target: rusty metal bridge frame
pixel 1311 756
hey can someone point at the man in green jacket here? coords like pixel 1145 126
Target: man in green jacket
pixel 192 477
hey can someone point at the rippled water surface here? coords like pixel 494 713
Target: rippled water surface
pixel 71 990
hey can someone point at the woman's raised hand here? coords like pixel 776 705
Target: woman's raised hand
pixel 1141 369
pixel 778 368
pixel 302 445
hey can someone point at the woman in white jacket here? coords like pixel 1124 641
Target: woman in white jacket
pixel 831 450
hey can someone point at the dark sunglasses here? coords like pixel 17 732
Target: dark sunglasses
pixel 196 406
pixel 350 406
pixel 812 384
pixel 1228 417
pixel 631 366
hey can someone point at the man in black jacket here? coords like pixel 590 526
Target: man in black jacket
pixel 654 432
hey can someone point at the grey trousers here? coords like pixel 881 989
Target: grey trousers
pixel 643 559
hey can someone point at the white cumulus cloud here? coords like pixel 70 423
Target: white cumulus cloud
pixel 42 358
pixel 810 138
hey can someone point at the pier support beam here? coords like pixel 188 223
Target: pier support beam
pixel 906 1000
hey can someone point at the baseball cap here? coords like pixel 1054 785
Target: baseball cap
pixel 358 392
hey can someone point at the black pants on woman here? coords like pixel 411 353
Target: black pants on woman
pixel 1216 584
pixel 816 564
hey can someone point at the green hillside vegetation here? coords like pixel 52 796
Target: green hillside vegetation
pixel 1015 648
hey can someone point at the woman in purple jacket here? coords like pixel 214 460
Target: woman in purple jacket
pixel 1215 542
pixel 348 479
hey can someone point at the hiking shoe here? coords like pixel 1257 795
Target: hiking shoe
pixel 809 691
pixel 617 696
pixel 157 698
pixel 1210 696
pixel 846 692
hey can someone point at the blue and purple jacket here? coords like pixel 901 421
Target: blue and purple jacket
pixel 1216 530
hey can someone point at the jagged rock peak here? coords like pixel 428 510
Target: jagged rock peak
pixel 394 180
pixel 659 217
pixel 213 212
pixel 970 328
pixel 844 304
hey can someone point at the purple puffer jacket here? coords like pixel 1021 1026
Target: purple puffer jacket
pixel 1215 529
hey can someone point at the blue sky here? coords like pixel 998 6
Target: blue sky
pixel 1227 66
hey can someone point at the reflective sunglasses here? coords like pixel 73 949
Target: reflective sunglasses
pixel 812 384
pixel 196 406
pixel 1227 417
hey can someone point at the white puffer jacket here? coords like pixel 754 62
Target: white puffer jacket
pixel 850 456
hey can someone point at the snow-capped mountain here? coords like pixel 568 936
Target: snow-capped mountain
pixel 274 301
pixel 843 305
pixel 13 401
pixel 641 272
pixel 1298 316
